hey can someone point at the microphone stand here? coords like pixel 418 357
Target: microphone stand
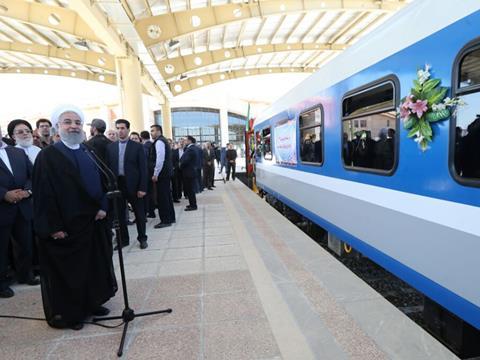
pixel 114 194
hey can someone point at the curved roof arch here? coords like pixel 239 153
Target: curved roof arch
pixel 157 29
pixel 170 68
pixel 51 17
pixel 77 74
pixel 182 86
pixel 89 58
pixel 182 38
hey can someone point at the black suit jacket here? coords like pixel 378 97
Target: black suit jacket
pixel 134 163
pixel 99 144
pixel 176 159
pixel 188 161
pixel 21 179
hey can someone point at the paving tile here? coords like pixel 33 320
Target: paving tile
pixel 186 242
pixel 137 290
pixel 233 306
pixel 182 267
pixel 222 250
pixel 221 231
pixel 197 226
pixel 239 340
pixel 175 286
pixel 25 351
pixel 91 347
pixel 137 271
pixel 183 253
pixel 187 233
pixel 152 245
pixel 166 344
pixel 139 257
pixel 399 341
pixel 225 263
pixel 219 240
pixel 228 281
pixel 185 311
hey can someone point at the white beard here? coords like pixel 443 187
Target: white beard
pixel 71 138
pixel 25 142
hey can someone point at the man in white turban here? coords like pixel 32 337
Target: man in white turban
pixel 70 206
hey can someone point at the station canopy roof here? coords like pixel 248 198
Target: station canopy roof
pixel 182 44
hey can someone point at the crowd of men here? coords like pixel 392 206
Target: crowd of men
pixel 55 212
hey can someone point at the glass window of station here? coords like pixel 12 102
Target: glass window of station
pixel 466 137
pixel 201 123
pixel 236 132
pixel 369 128
pixel 310 123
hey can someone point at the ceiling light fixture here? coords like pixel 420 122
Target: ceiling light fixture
pixel 82 43
pixel 172 44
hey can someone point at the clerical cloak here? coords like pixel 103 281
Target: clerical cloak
pixel 77 272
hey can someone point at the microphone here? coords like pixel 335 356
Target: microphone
pixel 104 169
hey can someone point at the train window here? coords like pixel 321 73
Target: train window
pixel 311 138
pixel 267 144
pixel 466 122
pixel 370 127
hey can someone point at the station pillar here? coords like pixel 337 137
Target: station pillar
pixel 130 86
pixel 167 120
pixel 224 126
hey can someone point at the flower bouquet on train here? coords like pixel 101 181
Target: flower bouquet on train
pixel 426 104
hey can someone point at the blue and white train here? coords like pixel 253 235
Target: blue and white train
pixel 335 150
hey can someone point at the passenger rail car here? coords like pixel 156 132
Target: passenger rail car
pixel 335 150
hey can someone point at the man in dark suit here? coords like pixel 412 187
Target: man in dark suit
pixel 150 198
pixel 198 168
pixel 160 164
pixel 177 183
pixel 208 166
pixel 99 141
pixel 16 215
pixel 188 163
pixel 126 158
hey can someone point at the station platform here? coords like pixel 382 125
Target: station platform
pixel 243 283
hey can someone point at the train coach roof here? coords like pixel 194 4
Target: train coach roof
pixel 411 24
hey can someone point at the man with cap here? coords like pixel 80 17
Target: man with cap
pixel 99 142
pixel 21 131
pixel 15 216
pixel 70 206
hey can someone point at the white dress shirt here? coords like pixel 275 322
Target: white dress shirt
pixel 160 150
pixel 31 151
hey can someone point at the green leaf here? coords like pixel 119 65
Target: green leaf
pixel 437 115
pixel 414 130
pixel 409 122
pixel 418 86
pixel 437 96
pixel 425 128
pixel 430 85
pixel 416 94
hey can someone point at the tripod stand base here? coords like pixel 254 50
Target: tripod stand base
pixel 127 316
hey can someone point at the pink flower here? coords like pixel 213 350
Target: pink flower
pixel 419 107
pixel 404 112
pixel 405 107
